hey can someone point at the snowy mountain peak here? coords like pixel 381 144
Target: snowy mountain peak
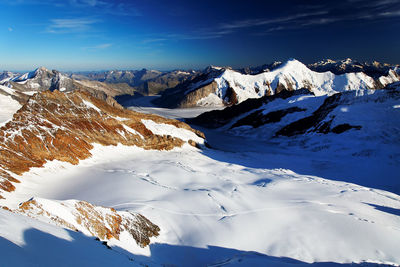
pixel 229 87
pixel 41 69
pixel 291 65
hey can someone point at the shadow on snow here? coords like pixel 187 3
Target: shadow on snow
pixel 48 250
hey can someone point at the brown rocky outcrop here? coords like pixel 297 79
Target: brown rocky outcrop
pixel 63 126
pixel 191 99
pixel 101 222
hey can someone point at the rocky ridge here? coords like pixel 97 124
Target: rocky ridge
pixel 64 126
pixel 43 79
pixel 146 82
pixel 101 222
pixel 374 69
pixel 225 87
pixel 369 116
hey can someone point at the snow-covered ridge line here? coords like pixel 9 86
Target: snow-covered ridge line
pixel 232 87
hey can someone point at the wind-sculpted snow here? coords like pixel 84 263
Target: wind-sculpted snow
pixel 208 203
pixel 63 126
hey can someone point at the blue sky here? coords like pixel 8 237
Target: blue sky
pixel 102 34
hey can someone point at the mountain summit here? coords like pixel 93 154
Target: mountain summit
pixel 229 87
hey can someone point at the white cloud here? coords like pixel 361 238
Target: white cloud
pixel 103 46
pixel 98 47
pixel 10 29
pixel 70 25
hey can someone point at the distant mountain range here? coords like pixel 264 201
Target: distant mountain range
pixel 146 82
pixel 224 86
pixel 213 86
pixel 296 157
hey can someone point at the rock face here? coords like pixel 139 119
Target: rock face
pixel 63 126
pixel 101 222
pixel 17 95
pixel 225 87
pixel 6 76
pixel 43 79
pixel 146 82
pixel 254 117
pixel 185 95
pixel 374 69
pixel 370 116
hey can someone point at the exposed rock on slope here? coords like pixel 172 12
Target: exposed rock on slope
pixel 20 97
pixel 43 79
pixel 63 126
pixel 185 95
pixel 101 222
pixel 374 69
pixel 218 118
pixel 369 116
pixel 228 87
pixel 6 76
pixel 147 82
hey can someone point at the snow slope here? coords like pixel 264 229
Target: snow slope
pixel 212 206
pixel 292 75
pixel 247 202
pixel 28 242
pixel 8 105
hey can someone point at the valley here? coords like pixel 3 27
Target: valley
pixel 241 194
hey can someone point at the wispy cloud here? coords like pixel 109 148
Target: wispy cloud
pixel 202 34
pixel 116 8
pixel 94 7
pixel 98 47
pixel 10 29
pixel 224 29
pixel 261 22
pixel 395 13
pixel 70 25
pixel 334 14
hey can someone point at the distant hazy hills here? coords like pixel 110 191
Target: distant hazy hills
pixel 146 82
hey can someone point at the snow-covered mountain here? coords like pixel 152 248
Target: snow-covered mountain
pixel 303 169
pixel 63 126
pixel 260 69
pixel 361 123
pixel 374 69
pixel 43 79
pixel 228 87
pixel 216 207
pixel 5 76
